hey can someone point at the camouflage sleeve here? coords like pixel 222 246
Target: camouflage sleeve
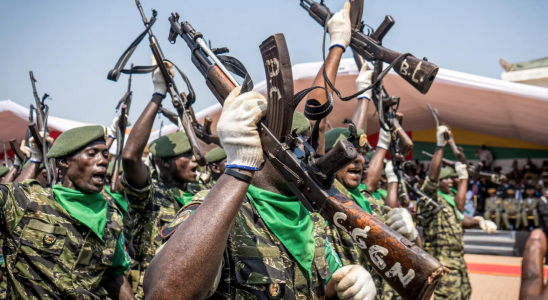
pixel 430 188
pixel 184 214
pixel 13 203
pixel 333 261
pixel 121 261
pixel 138 198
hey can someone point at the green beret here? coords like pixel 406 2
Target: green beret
pixel 301 123
pixel 110 167
pixel 215 155
pixel 336 134
pixel 75 139
pixel 447 172
pixel 170 145
pixel 4 171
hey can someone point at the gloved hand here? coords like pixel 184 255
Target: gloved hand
pixel 389 172
pixel 158 81
pixel 237 129
pixel 400 220
pixel 339 28
pixel 485 225
pixel 354 282
pixel 462 172
pixel 363 81
pixel 440 137
pixel 384 139
pixel 36 155
pixel 111 131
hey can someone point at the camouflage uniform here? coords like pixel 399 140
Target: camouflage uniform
pixel 443 239
pixel 343 244
pixel 152 208
pixel 50 255
pixel 256 264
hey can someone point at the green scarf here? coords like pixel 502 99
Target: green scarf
pixel 183 197
pixel 378 194
pixel 89 209
pixel 289 220
pixel 119 198
pixel 451 200
pixel 360 198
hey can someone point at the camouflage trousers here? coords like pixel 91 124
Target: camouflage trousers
pixel 455 285
pixel 389 293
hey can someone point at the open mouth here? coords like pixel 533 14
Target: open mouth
pixel 99 177
pixel 194 170
pixel 355 173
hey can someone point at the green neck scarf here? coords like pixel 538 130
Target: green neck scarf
pixel 89 209
pixel 119 198
pixel 289 220
pixel 378 194
pixel 360 198
pixel 183 197
pixel 448 198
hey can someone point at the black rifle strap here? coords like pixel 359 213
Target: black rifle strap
pixel 235 66
pixel 114 74
pixel 314 111
pixel 191 96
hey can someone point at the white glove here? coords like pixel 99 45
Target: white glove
pixel 339 27
pixel 485 225
pixel 237 129
pixel 462 173
pixel 440 137
pixel 389 172
pixel 384 139
pixel 400 220
pixel 35 152
pixel 354 282
pixel 363 81
pixel 158 81
pixel 112 130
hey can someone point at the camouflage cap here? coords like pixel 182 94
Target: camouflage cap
pixel 447 172
pixel 110 168
pixel 336 134
pixel 75 139
pixel 301 123
pixel 170 145
pixel 4 171
pixel 215 155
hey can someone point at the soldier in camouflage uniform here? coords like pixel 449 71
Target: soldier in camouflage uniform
pixel 443 231
pixel 274 247
pixel 154 196
pixel 493 206
pixel 65 242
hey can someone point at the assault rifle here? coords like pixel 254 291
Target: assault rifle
pixel 41 126
pixel 185 119
pixel 409 269
pixel 448 135
pixel 203 132
pixel 419 73
pixel 124 104
pixel 474 171
pixel 429 202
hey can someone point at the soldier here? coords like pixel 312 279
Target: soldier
pixel 512 208
pixel 65 242
pixel 216 159
pixel 155 196
pixel 443 231
pixel 529 207
pixel 493 206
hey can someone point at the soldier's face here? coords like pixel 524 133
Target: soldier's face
pixel 351 175
pixel 445 185
pixel 185 168
pixel 86 170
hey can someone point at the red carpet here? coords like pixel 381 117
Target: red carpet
pixel 501 270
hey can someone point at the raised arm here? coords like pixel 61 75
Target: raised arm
pixel 339 29
pixel 392 189
pixel 136 173
pixel 376 164
pixel 360 114
pixel 435 164
pixel 462 173
pixel 190 260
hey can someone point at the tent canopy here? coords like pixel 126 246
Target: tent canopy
pixel 467 102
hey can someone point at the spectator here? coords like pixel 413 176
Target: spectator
pixel 530 167
pixel 485 156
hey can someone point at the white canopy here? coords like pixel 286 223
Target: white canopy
pixel 468 102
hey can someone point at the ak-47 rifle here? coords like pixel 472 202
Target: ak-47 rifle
pixel 41 126
pixel 474 171
pixel 430 203
pixel 419 73
pixel 185 119
pixel 409 269
pixel 124 105
pixel 448 135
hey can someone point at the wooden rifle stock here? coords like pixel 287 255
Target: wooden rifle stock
pixel 219 84
pixel 36 135
pixel 16 150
